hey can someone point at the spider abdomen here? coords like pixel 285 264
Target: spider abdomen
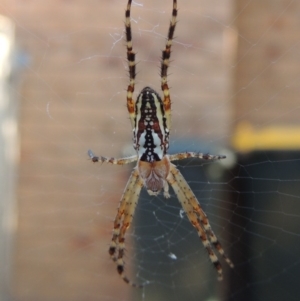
pixel 151 134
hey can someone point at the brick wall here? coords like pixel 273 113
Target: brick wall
pixel 267 75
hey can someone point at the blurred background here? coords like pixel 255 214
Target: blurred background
pixel 234 81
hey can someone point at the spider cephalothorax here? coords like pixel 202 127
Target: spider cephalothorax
pixel 150 117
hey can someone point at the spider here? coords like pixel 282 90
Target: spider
pixel 150 117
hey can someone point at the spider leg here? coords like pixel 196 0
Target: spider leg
pixel 166 54
pixel 123 221
pixel 181 156
pixel 197 218
pixel 212 237
pixel 122 209
pixel 200 214
pixel 116 161
pixel 131 65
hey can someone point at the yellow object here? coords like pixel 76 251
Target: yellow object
pixel 246 138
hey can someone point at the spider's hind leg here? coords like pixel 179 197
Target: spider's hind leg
pixel 165 60
pixel 131 65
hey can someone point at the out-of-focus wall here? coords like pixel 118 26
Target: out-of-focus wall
pixel 267 71
pixel 9 152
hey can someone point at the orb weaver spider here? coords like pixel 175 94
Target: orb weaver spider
pixel 150 117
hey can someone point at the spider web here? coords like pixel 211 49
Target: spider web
pixel 70 81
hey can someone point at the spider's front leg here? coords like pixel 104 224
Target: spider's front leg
pixel 123 221
pixel 198 218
